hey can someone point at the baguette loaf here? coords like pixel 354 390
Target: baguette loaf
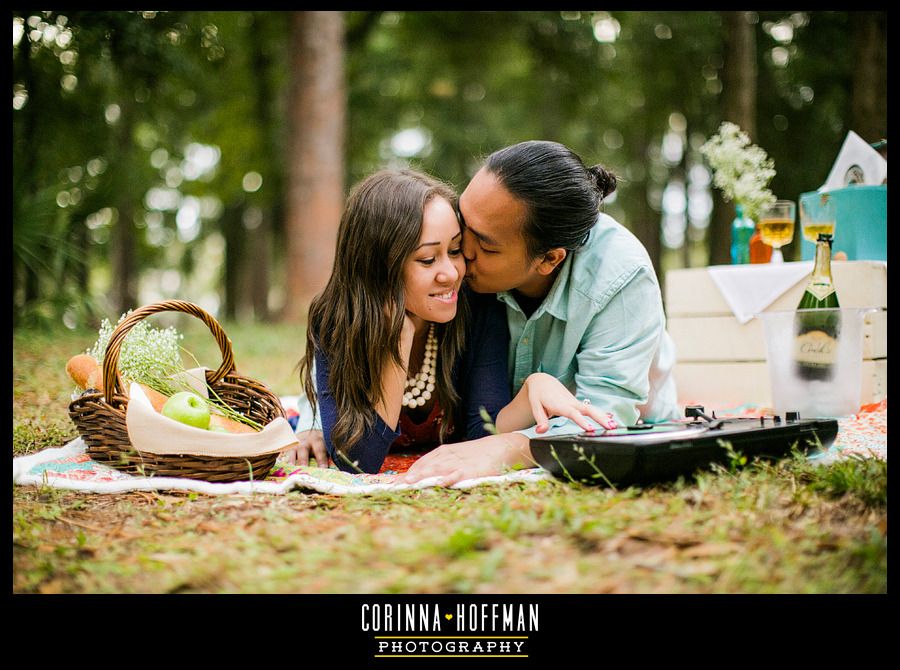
pixel 86 372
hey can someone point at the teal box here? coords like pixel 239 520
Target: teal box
pixel 860 226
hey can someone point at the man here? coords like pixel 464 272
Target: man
pixel 581 296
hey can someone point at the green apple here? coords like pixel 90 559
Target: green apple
pixel 188 408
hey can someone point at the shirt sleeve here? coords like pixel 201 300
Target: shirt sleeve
pixel 484 378
pixel 307 419
pixel 368 454
pixel 618 348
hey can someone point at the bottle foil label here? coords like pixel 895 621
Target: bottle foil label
pixel 821 291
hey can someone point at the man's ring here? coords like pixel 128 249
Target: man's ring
pixel 586 401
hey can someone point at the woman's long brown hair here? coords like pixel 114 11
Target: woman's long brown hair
pixel 357 319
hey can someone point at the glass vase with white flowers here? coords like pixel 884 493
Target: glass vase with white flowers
pixel 742 172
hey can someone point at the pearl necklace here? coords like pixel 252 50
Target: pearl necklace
pixel 418 389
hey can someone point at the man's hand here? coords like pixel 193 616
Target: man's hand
pixel 309 441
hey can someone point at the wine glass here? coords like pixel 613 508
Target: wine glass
pixel 776 226
pixel 817 216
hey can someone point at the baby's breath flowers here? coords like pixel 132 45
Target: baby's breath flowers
pixel 740 169
pixel 152 357
pixel 148 355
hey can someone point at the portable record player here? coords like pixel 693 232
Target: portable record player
pixel 649 453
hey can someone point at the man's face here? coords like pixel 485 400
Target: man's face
pixel 493 245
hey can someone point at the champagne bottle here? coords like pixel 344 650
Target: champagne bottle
pixel 817 324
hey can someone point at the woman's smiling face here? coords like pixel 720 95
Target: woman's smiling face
pixel 435 269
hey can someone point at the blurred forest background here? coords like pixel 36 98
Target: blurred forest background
pixel 205 155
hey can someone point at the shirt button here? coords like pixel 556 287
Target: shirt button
pixel 524 340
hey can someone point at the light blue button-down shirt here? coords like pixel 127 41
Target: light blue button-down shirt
pixel 601 330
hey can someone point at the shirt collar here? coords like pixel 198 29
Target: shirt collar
pixel 556 302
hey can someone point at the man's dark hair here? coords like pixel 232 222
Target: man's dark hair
pixel 561 194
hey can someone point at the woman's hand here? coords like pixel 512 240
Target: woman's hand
pixel 309 441
pixel 543 396
pixel 485 457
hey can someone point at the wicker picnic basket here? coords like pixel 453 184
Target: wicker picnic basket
pixel 101 419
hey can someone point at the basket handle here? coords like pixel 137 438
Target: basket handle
pixel 111 377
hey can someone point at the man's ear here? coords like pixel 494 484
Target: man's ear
pixel 551 260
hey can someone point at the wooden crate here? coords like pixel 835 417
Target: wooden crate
pixel 722 362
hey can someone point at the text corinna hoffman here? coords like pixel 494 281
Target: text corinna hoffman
pixel 433 618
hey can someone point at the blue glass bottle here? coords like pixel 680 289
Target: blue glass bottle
pixel 741 230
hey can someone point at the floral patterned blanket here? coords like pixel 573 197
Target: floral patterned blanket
pixel 69 467
pixel 861 434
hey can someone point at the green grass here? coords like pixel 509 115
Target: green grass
pixel 787 527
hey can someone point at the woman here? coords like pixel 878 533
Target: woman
pixel 392 358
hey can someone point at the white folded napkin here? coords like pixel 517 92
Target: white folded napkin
pixel 152 432
pixel 750 289
pixel 857 162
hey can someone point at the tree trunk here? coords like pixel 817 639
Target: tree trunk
pixel 123 237
pixel 647 229
pixel 79 266
pixel 27 160
pixel 260 251
pixel 317 105
pixel 738 106
pixel 124 288
pixel 233 231
pixel 682 172
pixel 868 102
pixel 647 223
pixel 261 238
pixel 739 72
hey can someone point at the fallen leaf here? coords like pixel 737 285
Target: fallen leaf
pixel 167 558
pixel 708 549
pixel 654 558
pixel 695 568
pixel 670 536
pixel 609 585
pixel 51 587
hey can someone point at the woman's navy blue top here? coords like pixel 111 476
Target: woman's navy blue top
pixel 479 377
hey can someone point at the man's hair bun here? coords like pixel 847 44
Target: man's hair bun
pixel 604 180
